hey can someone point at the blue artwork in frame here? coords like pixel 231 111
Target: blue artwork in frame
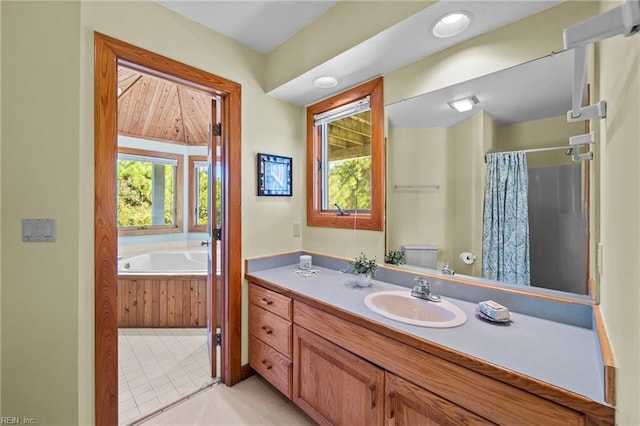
pixel 274 175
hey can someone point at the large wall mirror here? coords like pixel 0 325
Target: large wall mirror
pixel 436 171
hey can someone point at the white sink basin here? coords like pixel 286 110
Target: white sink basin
pixel 401 306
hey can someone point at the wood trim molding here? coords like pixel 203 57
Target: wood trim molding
pixel 105 234
pixel 246 371
pixel 167 229
pixel 607 357
pixel 108 53
pixel 192 195
pixel 232 239
pixel 372 221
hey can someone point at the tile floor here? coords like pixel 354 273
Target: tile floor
pixel 158 366
pixel 252 402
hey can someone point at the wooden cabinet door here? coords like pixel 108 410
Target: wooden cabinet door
pixel 409 405
pixel 334 386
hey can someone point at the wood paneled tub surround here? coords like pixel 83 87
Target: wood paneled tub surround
pixel 163 290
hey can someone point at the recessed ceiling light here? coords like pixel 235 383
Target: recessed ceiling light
pixel 325 82
pixel 452 24
pixel 464 105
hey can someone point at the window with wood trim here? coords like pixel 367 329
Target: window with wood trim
pixel 345 159
pixel 149 192
pixel 198 193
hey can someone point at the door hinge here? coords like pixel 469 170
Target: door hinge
pixel 218 234
pixel 218 339
pixel 216 129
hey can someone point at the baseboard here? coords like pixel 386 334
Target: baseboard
pixel 246 371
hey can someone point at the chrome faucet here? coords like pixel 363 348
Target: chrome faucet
pixel 447 270
pixel 422 291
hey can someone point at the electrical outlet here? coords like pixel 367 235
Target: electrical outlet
pixel 297 229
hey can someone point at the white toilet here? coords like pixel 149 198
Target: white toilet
pixel 422 255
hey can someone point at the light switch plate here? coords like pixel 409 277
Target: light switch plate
pixel 38 230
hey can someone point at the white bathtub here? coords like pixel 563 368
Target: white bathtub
pixel 165 263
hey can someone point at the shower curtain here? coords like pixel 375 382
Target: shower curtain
pixel 505 233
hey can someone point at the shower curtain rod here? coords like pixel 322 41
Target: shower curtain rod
pixel 551 148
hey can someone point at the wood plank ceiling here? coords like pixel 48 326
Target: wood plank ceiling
pixel 153 108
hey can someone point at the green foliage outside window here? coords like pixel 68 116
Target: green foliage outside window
pixel 202 208
pixel 134 194
pixel 203 213
pixel 350 184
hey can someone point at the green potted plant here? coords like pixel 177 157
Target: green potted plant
pixel 394 257
pixel 365 268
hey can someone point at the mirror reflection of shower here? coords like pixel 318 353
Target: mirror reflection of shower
pixel 436 168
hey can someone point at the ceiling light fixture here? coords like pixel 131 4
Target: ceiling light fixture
pixel 325 82
pixel 451 24
pixel 464 105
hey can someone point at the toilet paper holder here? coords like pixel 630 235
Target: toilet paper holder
pixel 467 257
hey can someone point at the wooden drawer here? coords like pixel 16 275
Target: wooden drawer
pixel 271 365
pixel 271 329
pixel 271 301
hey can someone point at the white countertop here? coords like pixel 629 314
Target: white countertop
pixel 562 355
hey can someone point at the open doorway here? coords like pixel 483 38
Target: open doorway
pixel 168 213
pixel 224 97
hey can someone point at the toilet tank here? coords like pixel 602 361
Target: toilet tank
pixel 422 255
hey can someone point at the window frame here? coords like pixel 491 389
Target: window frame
pixel 179 195
pixel 193 227
pixel 373 219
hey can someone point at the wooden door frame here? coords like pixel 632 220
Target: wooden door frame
pixel 108 53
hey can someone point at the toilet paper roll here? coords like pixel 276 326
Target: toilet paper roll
pixel 467 257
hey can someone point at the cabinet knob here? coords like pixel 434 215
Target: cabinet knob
pixel 267 329
pixel 266 364
pixel 267 302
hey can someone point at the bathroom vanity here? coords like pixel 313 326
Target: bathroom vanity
pixel 314 339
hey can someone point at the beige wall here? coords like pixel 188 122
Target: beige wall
pixel 548 132
pixel 619 143
pixel 450 217
pixel 333 33
pixel 0 204
pixel 33 332
pixel 40 162
pixel 418 156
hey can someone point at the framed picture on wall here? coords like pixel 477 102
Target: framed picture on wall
pixel 274 175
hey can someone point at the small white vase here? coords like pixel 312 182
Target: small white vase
pixel 363 280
